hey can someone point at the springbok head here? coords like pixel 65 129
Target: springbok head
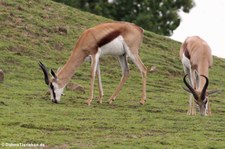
pixel 54 88
pixel 201 97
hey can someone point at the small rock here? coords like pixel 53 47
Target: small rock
pixel 61 30
pixel 75 87
pixel 1 76
pixel 153 69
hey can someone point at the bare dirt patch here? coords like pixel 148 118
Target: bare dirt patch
pixel 75 87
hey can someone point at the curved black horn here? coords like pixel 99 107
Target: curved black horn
pixel 53 74
pixel 205 87
pixel 45 71
pixel 190 87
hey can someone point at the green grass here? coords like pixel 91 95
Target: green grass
pixel 30 31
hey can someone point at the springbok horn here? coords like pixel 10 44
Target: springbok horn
pixel 205 87
pixel 53 74
pixel 190 88
pixel 45 71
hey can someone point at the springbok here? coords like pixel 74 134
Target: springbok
pixel 120 39
pixel 196 58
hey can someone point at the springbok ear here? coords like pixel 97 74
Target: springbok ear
pixel 59 69
pixel 45 71
pixel 53 74
pixel 214 92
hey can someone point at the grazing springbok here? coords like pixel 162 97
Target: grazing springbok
pixel 120 39
pixel 196 58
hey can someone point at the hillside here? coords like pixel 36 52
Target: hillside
pixel 38 30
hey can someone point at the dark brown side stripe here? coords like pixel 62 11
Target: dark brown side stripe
pixel 186 53
pixel 109 37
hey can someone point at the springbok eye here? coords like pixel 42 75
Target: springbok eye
pixel 205 101
pixel 51 86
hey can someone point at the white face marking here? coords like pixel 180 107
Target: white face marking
pixel 203 107
pixel 56 92
pixel 115 47
pixel 186 62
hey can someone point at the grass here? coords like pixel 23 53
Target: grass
pixel 33 31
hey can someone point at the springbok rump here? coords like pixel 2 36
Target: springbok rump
pixel 120 39
pixel 196 58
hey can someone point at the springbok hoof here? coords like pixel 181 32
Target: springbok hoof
pixel 110 102
pixel 188 113
pixel 88 102
pixel 99 101
pixel 142 102
pixel 191 113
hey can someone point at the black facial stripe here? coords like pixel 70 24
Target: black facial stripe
pixel 53 91
pixel 196 101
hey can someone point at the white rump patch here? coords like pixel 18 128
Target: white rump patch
pixel 186 62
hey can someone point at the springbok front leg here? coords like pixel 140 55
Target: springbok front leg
pixel 101 94
pixel 94 64
pixel 209 109
pixel 125 73
pixel 191 106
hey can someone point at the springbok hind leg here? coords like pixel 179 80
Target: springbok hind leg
pixel 99 84
pixel 125 73
pixel 137 60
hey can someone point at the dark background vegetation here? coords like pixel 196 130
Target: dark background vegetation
pixel 159 16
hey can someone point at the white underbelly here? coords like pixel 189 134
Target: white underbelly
pixel 114 48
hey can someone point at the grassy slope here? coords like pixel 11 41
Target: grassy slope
pixel 30 32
